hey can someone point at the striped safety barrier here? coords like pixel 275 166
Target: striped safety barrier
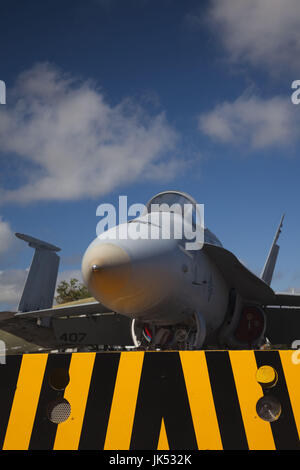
pixel 154 400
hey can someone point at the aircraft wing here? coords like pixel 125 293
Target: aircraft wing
pixel 250 286
pixel 64 310
pixel 287 299
pixel 238 276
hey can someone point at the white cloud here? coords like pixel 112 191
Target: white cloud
pixel 7 239
pixel 252 121
pixel 261 32
pixel 77 144
pixel 68 274
pixel 9 245
pixel 12 282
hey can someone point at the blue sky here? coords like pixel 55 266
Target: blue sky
pixel 108 98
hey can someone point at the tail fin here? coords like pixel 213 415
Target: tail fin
pixel 39 288
pixel 267 273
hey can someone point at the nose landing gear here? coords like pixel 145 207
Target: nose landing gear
pixel 183 336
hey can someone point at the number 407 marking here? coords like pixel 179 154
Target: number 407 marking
pixel 72 337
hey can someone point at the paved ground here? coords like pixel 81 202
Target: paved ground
pixel 22 335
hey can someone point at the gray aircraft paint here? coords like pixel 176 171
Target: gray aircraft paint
pixel 40 284
pixel 268 270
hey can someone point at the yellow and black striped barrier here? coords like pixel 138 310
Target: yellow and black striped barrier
pixel 155 400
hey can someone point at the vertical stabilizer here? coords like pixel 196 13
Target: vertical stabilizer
pixel 268 271
pixel 40 284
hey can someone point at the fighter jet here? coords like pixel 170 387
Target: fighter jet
pixel 175 297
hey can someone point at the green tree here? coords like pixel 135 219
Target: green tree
pixel 69 291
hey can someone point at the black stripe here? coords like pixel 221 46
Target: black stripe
pixel 9 373
pixel 44 431
pixel 226 401
pixel 99 401
pixel 284 429
pixel 162 394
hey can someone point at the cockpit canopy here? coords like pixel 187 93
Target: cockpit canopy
pixel 179 199
pixel 170 198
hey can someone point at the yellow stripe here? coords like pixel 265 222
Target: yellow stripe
pixel 25 402
pixel 292 376
pixel 163 443
pixel 258 432
pixel 201 400
pixel 123 406
pixel 80 371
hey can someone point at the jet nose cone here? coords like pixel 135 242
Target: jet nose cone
pixel 106 270
pixel 130 285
